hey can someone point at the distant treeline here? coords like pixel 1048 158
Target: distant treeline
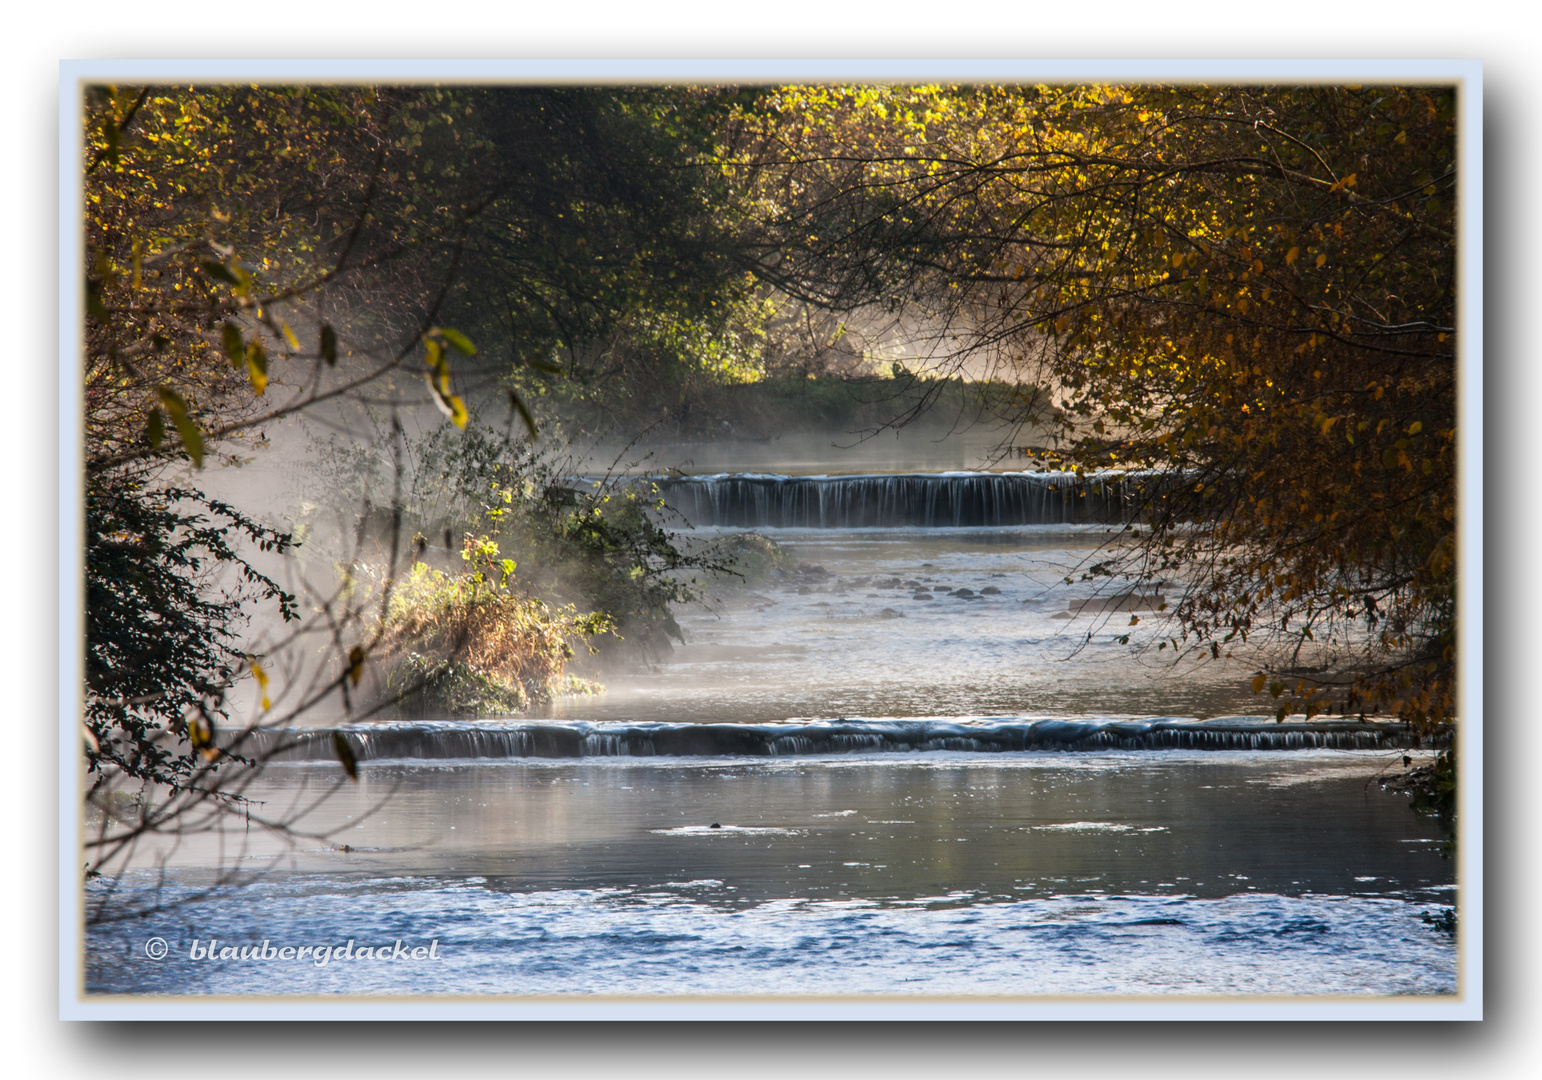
pixel 780 405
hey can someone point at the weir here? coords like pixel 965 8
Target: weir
pixel 930 500
pixel 470 740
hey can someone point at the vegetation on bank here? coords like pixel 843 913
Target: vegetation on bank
pixel 595 544
pixel 473 642
pixel 777 406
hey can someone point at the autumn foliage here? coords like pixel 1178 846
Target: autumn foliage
pixel 1249 291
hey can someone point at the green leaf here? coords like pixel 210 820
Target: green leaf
pixel 345 755
pixel 155 429
pixel 458 340
pixel 235 348
pixel 113 135
pixel 328 344
pixel 192 438
pixel 94 306
pixel 219 272
pixel 517 403
pixel 542 365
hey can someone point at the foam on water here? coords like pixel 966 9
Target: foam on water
pixel 431 740
pixel 693 938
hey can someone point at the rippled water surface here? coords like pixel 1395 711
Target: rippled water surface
pixel 1164 872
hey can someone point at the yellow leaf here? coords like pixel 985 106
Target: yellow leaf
pixel 1290 256
pixel 262 682
pixel 200 732
pixel 355 664
pixel 294 342
pixel 1321 258
pixel 257 366
pixel 1258 683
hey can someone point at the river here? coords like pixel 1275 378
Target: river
pixel 900 769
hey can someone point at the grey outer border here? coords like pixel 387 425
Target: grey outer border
pixel 1466 74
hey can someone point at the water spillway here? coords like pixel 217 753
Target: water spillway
pixel 928 500
pixel 472 740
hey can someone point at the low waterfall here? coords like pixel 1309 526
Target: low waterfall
pixel 929 500
pixel 473 740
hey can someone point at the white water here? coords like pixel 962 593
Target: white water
pixel 846 646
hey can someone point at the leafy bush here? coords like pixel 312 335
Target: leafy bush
pixel 595 544
pixel 163 629
pixel 470 643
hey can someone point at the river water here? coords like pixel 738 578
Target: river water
pixel 836 786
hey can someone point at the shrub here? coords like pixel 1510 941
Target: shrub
pixel 473 643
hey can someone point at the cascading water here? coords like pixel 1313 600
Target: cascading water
pixel 925 500
pixel 450 740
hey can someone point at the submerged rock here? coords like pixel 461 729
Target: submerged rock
pixel 990 590
pixel 1128 601
pixel 923 596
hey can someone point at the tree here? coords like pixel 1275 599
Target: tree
pixel 1243 294
pixel 221 225
pixel 604 253
pixel 227 225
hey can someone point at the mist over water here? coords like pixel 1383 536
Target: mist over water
pixel 933 448
pixel 851 644
pixel 860 864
